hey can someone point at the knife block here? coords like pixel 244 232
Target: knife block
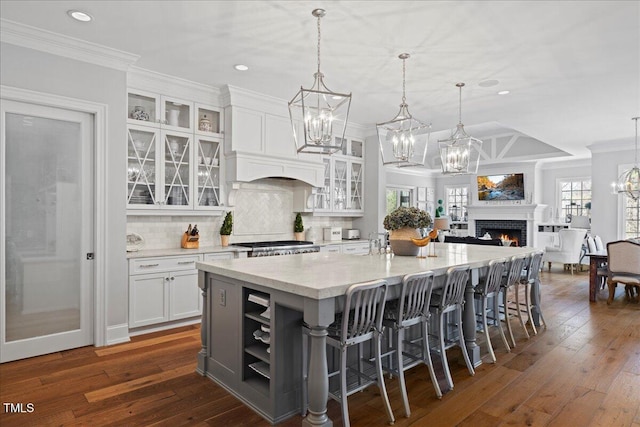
pixel 190 242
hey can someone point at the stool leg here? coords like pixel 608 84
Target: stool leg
pixel 343 386
pixel 518 311
pixel 427 357
pixel 400 362
pixel 527 299
pixel 381 386
pixel 443 352
pixel 485 326
pixel 463 347
pixel 505 302
pixel 496 310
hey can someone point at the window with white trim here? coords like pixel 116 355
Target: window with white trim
pixel 631 211
pixel 575 197
pixel 456 201
pixel 398 197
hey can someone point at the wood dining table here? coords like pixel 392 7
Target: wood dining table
pixel 596 259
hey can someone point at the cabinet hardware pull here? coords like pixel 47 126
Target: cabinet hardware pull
pixel 186 262
pixel 173 278
pixel 148 265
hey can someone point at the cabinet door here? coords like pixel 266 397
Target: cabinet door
pixel 208 120
pixel 185 299
pixel 148 299
pixel 176 171
pixel 340 170
pixel 355 188
pixel 142 167
pixel 208 169
pixel 176 114
pixel 143 108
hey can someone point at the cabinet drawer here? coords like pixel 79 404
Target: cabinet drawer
pixel 152 265
pixel 218 255
pixel 331 248
pixel 355 248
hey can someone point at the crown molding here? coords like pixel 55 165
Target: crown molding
pixel 611 146
pixel 57 44
pixel 153 81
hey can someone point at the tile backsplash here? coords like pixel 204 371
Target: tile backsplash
pixel 263 211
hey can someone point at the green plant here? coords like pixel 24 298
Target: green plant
pixel 439 209
pixel 407 217
pixel 227 224
pixel 298 227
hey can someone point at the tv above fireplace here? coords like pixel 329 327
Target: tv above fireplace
pixel 501 187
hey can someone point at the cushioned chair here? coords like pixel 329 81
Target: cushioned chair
pixel 489 287
pixel 594 244
pixel 624 267
pixel 568 253
pixel 400 315
pixel 360 322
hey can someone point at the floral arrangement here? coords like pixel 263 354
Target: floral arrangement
pixel 407 217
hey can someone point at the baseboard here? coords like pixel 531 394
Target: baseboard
pixel 118 334
pixel 164 326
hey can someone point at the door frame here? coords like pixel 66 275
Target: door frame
pixel 99 112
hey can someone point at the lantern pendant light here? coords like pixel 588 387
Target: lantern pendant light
pixel 403 139
pixel 460 154
pixel 319 112
pixel 629 181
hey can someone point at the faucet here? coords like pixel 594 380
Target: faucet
pixel 373 242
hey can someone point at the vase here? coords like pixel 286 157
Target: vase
pixel 299 235
pixel 400 241
pixel 224 239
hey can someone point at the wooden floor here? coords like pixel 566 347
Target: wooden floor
pixel 584 370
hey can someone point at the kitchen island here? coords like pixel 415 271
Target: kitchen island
pixel 264 371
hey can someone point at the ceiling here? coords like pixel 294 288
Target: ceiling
pixel 572 67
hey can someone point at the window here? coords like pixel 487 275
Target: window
pixel 456 201
pixel 397 197
pixel 575 198
pixel 631 218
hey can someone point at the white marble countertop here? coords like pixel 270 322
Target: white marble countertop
pixel 325 275
pixel 144 253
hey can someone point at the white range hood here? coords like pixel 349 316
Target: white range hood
pixel 248 167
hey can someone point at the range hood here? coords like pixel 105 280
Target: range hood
pixel 247 167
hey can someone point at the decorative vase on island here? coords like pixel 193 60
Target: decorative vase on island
pixel 400 241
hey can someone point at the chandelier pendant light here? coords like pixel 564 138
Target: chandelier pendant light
pixel 403 139
pixel 319 112
pixel 629 181
pixel 460 154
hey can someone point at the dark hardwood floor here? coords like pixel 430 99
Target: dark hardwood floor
pixel 584 370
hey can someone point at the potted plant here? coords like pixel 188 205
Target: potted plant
pixel 225 230
pixel 298 227
pixel 403 224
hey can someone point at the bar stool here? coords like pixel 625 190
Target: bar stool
pixel 360 322
pixel 509 283
pixel 451 299
pixel 532 278
pixel 410 309
pixel 489 287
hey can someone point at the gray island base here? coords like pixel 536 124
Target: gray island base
pixel 254 308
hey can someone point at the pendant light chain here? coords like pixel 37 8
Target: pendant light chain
pixel 404 68
pixel 636 119
pixel 319 17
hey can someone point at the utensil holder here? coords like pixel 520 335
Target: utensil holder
pixel 189 241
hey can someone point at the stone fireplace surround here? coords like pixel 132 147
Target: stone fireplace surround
pixel 523 216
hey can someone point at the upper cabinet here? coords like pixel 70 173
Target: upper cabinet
pixel 174 152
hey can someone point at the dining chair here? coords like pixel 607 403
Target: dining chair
pixel 624 267
pixel 360 322
pixel 410 311
pixel 487 288
pixel 450 299
pixel 509 283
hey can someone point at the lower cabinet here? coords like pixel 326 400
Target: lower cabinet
pixel 360 248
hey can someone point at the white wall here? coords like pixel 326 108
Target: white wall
pixel 42 72
pixel 551 172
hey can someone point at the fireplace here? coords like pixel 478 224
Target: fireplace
pixel 514 230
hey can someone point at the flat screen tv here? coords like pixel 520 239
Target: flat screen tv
pixel 501 187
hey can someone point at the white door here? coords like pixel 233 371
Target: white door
pixel 46 230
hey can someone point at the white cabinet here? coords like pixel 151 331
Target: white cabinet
pixel 336 248
pixel 218 256
pixel 162 289
pixel 343 189
pixel 359 248
pixel 174 157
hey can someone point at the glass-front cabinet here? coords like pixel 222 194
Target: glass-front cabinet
pixel 173 154
pixel 343 187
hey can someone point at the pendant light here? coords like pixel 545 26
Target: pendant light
pixel 629 182
pixel 460 154
pixel 319 111
pixel 403 139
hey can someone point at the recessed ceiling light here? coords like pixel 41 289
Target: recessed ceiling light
pixel 241 67
pixel 488 83
pixel 504 92
pixel 79 15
